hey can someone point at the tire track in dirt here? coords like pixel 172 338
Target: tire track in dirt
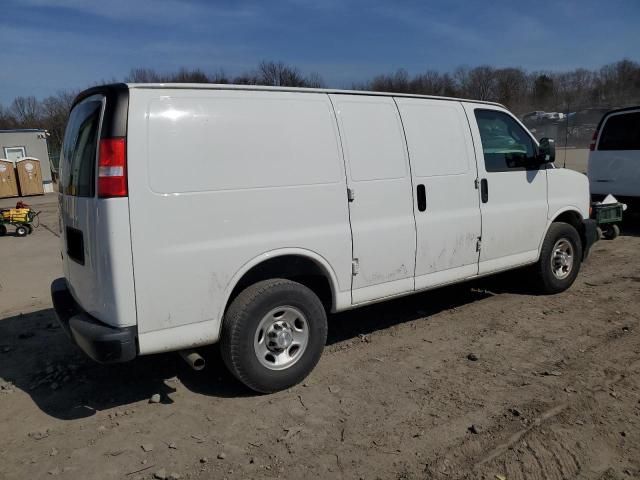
pixel 537 451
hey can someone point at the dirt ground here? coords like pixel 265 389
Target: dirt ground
pixel 552 390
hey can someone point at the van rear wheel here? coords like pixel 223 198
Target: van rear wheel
pixel 560 259
pixel 273 334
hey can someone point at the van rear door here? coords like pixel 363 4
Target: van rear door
pixel 95 234
pixel 614 164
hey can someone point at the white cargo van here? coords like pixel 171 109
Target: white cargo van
pixel 201 214
pixel 614 159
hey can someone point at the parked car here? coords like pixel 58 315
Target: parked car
pixel 533 118
pixel 614 157
pixel 201 214
pixel 554 116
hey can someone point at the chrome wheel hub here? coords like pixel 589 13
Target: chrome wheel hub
pixel 281 338
pixel 562 259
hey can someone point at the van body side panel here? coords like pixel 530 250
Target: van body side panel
pixel 615 172
pixel 217 178
pixel 514 216
pixel 442 160
pixel 382 220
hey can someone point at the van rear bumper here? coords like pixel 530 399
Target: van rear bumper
pixel 103 343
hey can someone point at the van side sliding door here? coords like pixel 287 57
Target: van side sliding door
pixel 380 199
pixel 447 206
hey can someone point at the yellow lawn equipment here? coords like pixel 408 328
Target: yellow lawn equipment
pixel 21 217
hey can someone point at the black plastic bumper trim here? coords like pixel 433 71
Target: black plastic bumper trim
pixel 102 343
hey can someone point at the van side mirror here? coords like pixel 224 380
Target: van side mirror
pixel 547 150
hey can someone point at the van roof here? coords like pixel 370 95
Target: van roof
pixel 616 111
pixel 22 130
pixel 625 109
pixel 217 86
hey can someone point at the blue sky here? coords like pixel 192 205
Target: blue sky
pixel 48 45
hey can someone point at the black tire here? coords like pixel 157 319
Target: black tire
pixel 612 232
pixel 21 231
pixel 29 228
pixel 3 230
pixel 240 329
pixel 547 281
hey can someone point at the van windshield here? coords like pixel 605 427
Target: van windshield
pixel 621 132
pixel 78 156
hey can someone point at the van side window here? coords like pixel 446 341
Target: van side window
pixel 78 159
pixel 621 132
pixel 505 144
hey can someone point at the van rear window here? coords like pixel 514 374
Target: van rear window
pixel 78 158
pixel 621 132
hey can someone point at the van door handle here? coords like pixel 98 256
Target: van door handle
pixel 422 197
pixel 484 190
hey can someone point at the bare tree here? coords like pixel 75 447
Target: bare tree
pixel 314 80
pixel 510 86
pixel 7 121
pixel 219 77
pixel 246 79
pixel 397 82
pixel 278 74
pixel 26 111
pixel 428 83
pixel 143 75
pixel 55 110
pixel 542 92
pixel 189 76
pixel 481 83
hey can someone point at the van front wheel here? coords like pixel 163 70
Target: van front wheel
pixel 560 258
pixel 273 334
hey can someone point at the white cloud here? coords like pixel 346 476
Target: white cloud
pixel 151 11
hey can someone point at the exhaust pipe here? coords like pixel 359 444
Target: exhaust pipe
pixel 193 359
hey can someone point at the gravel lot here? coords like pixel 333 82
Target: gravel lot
pixel 482 380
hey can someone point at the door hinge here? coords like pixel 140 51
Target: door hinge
pixel 476 183
pixel 355 267
pixel 478 244
pixel 351 194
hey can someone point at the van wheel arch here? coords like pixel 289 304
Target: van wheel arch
pixel 573 218
pixel 298 268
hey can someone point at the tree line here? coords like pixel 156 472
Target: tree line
pixel 613 85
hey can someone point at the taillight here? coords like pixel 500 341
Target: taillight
pixel 594 138
pixel 112 168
